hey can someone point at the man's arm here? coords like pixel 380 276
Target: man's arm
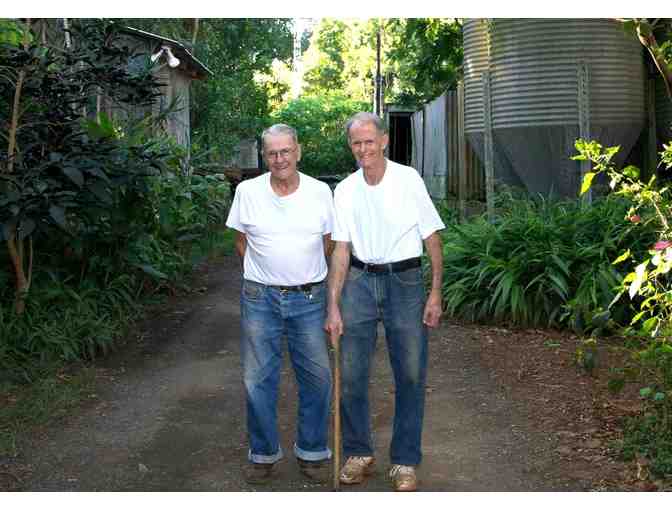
pixel 328 245
pixel 241 246
pixel 340 261
pixel 433 308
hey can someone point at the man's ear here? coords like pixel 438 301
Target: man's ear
pixel 298 152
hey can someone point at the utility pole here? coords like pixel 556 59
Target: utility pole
pixel 378 107
pixel 296 58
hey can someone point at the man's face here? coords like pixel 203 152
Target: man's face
pixel 367 144
pixel 281 155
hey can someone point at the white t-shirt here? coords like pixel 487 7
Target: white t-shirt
pixel 284 234
pixel 386 222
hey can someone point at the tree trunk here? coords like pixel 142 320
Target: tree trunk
pixel 194 33
pixel 646 37
pixel 15 245
pixel 17 255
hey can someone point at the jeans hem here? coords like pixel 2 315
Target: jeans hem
pixel 358 454
pixel 264 459
pixel 402 462
pixel 312 456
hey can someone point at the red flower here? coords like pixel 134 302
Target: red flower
pixel 662 245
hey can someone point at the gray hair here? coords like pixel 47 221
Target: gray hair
pixel 365 118
pixel 279 129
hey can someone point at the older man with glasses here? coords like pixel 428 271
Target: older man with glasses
pixel 283 220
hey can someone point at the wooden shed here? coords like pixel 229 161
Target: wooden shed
pixel 175 68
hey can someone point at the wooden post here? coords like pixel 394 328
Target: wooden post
pixel 584 118
pixel 488 149
pixel 336 343
pixel 462 153
pixel 651 127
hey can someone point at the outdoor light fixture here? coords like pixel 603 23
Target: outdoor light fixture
pixel 173 61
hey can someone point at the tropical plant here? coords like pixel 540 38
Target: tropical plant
pixel 62 171
pixel 649 287
pixel 543 262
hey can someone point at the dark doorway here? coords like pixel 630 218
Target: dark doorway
pixel 401 142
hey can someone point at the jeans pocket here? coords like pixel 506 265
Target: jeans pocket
pixel 354 274
pixel 409 278
pixel 318 292
pixel 252 290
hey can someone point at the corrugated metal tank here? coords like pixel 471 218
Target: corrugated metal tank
pixel 533 65
pixel 663 112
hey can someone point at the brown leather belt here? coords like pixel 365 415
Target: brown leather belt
pixel 393 267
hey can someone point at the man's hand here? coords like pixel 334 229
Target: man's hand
pixel 432 314
pixel 334 325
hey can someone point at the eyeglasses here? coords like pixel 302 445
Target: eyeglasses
pixel 283 153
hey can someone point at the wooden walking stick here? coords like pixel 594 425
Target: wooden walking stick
pixel 335 342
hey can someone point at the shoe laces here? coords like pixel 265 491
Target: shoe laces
pixel 359 461
pixel 399 469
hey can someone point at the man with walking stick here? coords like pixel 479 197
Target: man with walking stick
pixel 283 220
pixel 384 215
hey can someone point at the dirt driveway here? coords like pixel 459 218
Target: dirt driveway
pixel 169 415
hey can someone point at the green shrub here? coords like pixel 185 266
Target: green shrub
pixel 542 262
pixel 320 123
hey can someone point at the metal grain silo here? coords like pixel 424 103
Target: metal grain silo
pixel 663 112
pixel 548 77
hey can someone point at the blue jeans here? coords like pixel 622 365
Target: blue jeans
pixel 396 299
pixel 268 315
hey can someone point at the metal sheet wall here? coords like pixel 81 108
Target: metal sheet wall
pixel 418 141
pixel 435 166
pixel 436 150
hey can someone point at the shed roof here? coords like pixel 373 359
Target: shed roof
pixel 196 67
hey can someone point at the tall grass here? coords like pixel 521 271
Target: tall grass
pixel 542 262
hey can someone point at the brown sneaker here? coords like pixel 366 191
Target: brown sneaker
pixel 356 468
pixel 258 474
pixel 316 470
pixel 403 478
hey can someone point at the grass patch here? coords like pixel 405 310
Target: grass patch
pixel 24 407
pixel 218 243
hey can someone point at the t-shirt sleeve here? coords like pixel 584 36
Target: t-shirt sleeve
pixel 328 198
pixel 429 220
pixel 233 220
pixel 340 231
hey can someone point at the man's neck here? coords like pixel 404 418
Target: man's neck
pixel 375 173
pixel 284 187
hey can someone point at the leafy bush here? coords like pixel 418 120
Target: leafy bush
pixel 319 122
pixel 542 262
pixel 648 285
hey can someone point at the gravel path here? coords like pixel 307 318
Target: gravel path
pixel 169 415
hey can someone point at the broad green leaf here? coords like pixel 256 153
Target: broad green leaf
pixel 74 175
pixel 631 171
pixel 640 276
pixel 100 190
pixel 152 272
pixel 622 258
pixel 649 324
pixel 587 181
pixel 26 228
pixel 57 213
